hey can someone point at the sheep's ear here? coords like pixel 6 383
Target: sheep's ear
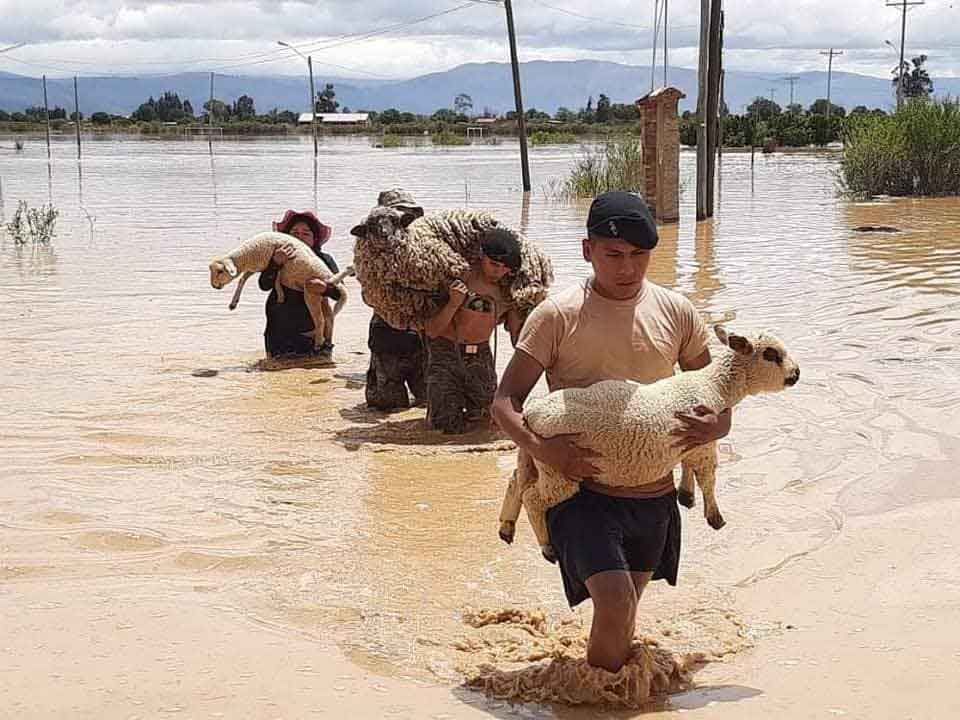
pixel 407 218
pixel 230 267
pixel 739 344
pixel 721 332
pixel 359 231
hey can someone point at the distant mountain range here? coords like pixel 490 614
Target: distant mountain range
pixel 547 85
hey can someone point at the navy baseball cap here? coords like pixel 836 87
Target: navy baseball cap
pixel 622 216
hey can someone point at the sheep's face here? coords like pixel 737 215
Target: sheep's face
pixel 771 367
pixel 385 224
pixel 222 272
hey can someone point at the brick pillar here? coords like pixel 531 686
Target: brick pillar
pixel 661 152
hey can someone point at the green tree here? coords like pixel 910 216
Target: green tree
pixel 763 109
pixel 326 100
pixel 243 108
pixel 100 118
pixel 73 117
pixel 819 107
pixel 624 112
pixel 187 109
pixel 147 112
pixel 534 114
pixel 446 115
pixel 219 109
pixel 916 81
pixel 462 103
pixel 603 109
pixel 565 115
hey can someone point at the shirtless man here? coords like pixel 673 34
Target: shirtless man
pixel 461 373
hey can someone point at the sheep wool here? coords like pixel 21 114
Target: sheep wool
pixel 405 264
pixel 629 425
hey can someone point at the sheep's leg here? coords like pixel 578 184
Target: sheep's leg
pixel 537 515
pixel 236 295
pixel 327 322
pixel 278 289
pixel 706 472
pixel 685 493
pixel 523 477
pixel 315 302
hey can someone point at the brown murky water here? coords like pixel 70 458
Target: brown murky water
pixel 275 496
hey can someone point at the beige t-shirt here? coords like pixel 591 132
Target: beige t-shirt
pixel 581 337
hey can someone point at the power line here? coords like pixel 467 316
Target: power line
pixel 590 18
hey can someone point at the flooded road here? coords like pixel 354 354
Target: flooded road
pixel 140 501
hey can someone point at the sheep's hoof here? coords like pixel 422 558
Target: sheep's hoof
pixel 507 531
pixel 232 306
pixel 715 520
pixel 686 498
pixel 548 554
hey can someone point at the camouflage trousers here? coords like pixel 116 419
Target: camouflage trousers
pixel 389 378
pixel 461 381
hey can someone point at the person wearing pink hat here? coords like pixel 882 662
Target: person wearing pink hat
pixel 289 325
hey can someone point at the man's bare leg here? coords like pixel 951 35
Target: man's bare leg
pixel 614 594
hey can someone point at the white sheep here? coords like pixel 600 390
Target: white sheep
pixel 254 255
pixel 405 262
pixel 629 424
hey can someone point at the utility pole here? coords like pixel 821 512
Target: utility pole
pixel 313 105
pixel 76 112
pixel 904 4
pixel 656 36
pixel 210 111
pixel 713 95
pixel 702 109
pixel 666 63
pixel 773 92
pixel 791 79
pixel 518 97
pixel 830 53
pixel 46 114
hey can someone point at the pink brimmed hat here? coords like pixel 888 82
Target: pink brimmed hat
pixel 320 231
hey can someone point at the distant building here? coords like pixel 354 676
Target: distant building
pixel 336 118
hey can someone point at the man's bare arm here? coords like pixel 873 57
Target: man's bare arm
pixel 561 451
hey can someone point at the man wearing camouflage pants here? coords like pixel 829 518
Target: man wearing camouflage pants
pixel 397 357
pixel 461 371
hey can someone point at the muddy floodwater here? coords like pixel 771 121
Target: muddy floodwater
pixel 178 542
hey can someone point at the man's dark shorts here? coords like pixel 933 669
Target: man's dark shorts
pixel 593 533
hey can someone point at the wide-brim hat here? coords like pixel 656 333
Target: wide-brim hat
pixel 290 218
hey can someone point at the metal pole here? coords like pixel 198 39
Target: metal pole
pixel 723 82
pixel 666 62
pixel 76 112
pixel 713 99
pixel 521 120
pixel 46 113
pixel 313 104
pixel 210 111
pixel 701 110
pixel 829 77
pixel 903 34
pixel 656 32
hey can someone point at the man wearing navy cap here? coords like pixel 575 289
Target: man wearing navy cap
pixel 615 325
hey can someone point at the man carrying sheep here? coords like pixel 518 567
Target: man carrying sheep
pixel 616 325
pixel 461 370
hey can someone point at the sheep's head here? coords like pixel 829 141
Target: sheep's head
pixel 222 272
pixel 770 367
pixel 385 223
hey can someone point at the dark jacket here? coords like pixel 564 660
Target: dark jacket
pixel 288 321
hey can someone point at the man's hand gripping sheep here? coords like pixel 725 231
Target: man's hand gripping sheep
pixel 631 429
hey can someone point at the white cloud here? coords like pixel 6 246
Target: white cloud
pixel 139 36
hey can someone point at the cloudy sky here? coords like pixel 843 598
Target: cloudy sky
pixel 390 39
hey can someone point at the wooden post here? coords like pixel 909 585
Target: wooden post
pixel 713 101
pixel 313 104
pixel 46 114
pixel 76 112
pixel 701 110
pixel 518 97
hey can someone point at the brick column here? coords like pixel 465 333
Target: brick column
pixel 661 152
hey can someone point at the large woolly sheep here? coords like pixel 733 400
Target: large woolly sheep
pixel 254 255
pixel 630 426
pixel 405 262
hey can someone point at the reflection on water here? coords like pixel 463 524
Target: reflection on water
pixel 280 496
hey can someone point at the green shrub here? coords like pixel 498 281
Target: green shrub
pixel 448 138
pixel 915 151
pixel 35 225
pixel 614 165
pixel 552 138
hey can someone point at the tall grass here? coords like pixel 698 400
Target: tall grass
pixel 447 137
pixel 36 225
pixel 541 137
pixel 915 151
pixel 614 165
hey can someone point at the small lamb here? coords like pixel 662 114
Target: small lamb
pixel 629 425
pixel 254 255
